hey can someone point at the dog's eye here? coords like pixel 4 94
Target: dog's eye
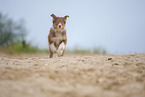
pixel 56 23
pixel 63 22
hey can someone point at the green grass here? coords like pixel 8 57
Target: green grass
pixel 20 47
pixel 23 47
pixel 96 50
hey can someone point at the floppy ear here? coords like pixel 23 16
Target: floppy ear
pixel 52 15
pixel 66 16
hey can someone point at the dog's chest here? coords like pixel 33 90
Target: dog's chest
pixel 58 33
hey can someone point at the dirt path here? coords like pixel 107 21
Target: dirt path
pixel 73 75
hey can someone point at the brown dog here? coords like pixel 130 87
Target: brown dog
pixel 57 36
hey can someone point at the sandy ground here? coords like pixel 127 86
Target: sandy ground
pixel 74 75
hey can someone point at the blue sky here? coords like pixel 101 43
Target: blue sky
pixel 116 25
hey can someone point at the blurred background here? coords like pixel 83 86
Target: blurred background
pixel 97 26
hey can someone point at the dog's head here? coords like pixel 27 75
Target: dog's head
pixel 59 22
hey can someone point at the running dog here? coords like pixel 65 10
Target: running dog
pixel 57 36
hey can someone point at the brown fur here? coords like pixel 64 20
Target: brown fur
pixel 57 33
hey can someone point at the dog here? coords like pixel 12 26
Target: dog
pixel 57 37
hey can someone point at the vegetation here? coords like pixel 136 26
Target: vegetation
pixel 10 31
pixel 99 50
pixel 12 37
pixel 22 47
pixel 95 50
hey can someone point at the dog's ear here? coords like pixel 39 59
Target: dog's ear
pixel 52 15
pixel 66 16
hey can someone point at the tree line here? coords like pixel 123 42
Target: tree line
pixel 11 31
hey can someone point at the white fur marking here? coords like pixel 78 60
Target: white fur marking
pixel 53 48
pixel 57 30
pixel 61 48
pixel 59 24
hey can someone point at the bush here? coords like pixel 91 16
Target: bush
pixel 22 47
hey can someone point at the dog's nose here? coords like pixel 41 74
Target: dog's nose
pixel 59 26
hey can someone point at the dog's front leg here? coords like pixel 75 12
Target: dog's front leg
pixel 61 49
pixel 52 49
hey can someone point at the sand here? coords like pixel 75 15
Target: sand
pixel 74 75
